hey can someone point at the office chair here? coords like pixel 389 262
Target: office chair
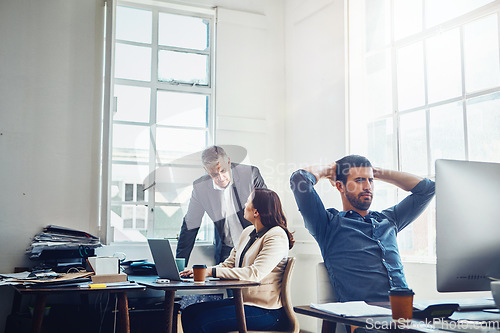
pixel 326 294
pixel 293 323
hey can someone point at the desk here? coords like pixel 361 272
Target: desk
pixel 173 286
pixel 42 292
pixel 385 323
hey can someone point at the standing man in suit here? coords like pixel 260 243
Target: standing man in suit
pixel 221 193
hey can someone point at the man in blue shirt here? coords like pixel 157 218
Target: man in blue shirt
pixel 359 246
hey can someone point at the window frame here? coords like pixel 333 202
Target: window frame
pixel 155 86
pixel 394 116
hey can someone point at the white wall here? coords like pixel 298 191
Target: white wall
pixel 315 119
pixel 250 95
pixel 49 109
pixel 49 121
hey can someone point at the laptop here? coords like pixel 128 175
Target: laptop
pixel 164 260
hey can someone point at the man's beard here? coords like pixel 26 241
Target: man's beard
pixel 358 202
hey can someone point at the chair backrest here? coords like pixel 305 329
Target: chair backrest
pixel 286 298
pixel 324 289
pixel 326 294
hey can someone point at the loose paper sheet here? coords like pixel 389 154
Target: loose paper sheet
pixel 352 309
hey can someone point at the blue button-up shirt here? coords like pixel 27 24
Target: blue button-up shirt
pixel 360 253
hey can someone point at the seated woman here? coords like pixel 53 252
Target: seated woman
pixel 260 255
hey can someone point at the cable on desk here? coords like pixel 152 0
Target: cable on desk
pixel 116 311
pixel 76 270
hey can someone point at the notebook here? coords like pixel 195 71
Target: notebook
pixel 164 260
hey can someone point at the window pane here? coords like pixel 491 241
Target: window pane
pixel 381 144
pixel 133 24
pixel 141 195
pixel 378 84
pixel 415 239
pixel 127 216
pixel 131 143
pixel 173 192
pixel 482 69
pixel 124 176
pixel 483 124
pixel 444 74
pixel 132 62
pixel 134 192
pixel 132 103
pixel 174 183
pixel 410 64
pixel 447 133
pixel 183 67
pixel 439 11
pixel 168 220
pixel 378 23
pixel 129 192
pixel 141 214
pixel 207 229
pixel 183 31
pixel 173 143
pixel 129 223
pixel 384 195
pixel 407 18
pixel 178 109
pixel 413 143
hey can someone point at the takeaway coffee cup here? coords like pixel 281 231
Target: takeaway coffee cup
pixel 199 273
pixel 401 303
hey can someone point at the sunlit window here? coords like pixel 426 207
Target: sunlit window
pixel 162 112
pixel 424 84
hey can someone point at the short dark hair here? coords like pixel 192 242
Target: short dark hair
pixel 348 162
pixel 212 154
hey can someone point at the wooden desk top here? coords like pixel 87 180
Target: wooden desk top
pixel 75 289
pixel 356 321
pixel 386 323
pixel 185 285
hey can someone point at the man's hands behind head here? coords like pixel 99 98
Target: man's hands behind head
pixel 331 173
pixel 324 171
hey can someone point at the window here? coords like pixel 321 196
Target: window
pixel 162 115
pixel 424 84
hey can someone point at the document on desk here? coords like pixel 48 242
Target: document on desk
pixel 352 309
pixel 12 279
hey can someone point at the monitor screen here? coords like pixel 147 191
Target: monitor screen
pixel 467 225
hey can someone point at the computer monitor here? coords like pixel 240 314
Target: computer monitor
pixel 467 225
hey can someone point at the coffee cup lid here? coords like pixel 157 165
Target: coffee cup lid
pixel 199 266
pixel 401 292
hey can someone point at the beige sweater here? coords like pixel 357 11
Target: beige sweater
pixel 264 262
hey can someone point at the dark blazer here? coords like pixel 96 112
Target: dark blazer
pixel 206 199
